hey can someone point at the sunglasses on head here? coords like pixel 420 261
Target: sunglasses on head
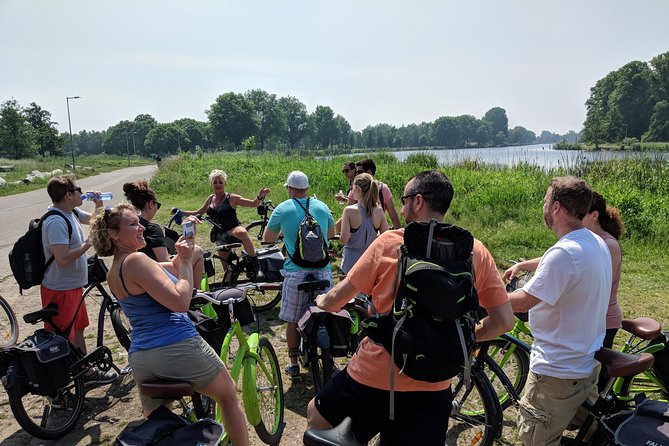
pixel 76 189
pixel 403 198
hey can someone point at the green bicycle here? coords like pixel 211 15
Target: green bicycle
pixel 251 356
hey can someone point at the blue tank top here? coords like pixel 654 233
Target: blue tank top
pixel 153 325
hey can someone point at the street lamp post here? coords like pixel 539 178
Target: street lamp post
pixel 69 123
pixel 127 147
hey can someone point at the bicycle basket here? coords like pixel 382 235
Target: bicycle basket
pixel 44 359
pixel 97 270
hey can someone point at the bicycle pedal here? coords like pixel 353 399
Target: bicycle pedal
pixel 125 370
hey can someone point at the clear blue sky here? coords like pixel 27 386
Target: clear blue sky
pixel 376 61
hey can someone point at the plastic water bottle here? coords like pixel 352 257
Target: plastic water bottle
pixel 323 336
pixel 104 196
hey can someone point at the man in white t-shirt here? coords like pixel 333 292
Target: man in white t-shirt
pixel 567 299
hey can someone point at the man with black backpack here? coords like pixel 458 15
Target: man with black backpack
pixel 373 381
pixel 63 239
pixel 306 224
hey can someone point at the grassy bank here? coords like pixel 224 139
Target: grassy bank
pixel 502 207
pixel 86 166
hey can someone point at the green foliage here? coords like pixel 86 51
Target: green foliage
pixel 16 134
pixel 424 160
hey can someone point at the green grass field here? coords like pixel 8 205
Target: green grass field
pixel 502 207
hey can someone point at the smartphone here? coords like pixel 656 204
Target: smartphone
pixel 188 229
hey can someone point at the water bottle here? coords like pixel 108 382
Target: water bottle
pixel 28 267
pixel 104 196
pixel 323 336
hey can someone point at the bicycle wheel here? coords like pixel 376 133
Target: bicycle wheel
pixel 256 231
pixel 466 426
pixel 263 300
pixel 643 382
pixel 9 326
pixel 203 406
pixel 121 326
pixel 47 417
pixel 269 391
pixel 321 364
pixel 514 363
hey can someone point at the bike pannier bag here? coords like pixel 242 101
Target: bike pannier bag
pixel 311 249
pixel 648 425
pixel 166 428
pixel 337 325
pixel 661 357
pixel 44 356
pixel 97 270
pixel 271 266
pixel 242 310
pixel 27 258
pixel 210 330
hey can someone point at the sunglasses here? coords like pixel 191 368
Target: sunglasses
pixel 157 203
pixel 346 170
pixel 76 189
pixel 403 198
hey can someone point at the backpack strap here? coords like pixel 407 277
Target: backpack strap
pixel 306 210
pixel 69 229
pixel 381 199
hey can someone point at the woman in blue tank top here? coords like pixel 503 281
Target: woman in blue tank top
pixel 221 207
pixel 155 297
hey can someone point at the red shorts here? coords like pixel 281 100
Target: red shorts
pixel 68 302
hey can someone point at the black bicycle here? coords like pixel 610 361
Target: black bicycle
pixel 44 377
pixel 256 229
pixel 95 290
pixel 9 326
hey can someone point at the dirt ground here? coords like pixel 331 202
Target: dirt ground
pixel 109 409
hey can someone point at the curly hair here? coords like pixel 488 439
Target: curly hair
pixel 609 217
pixel 218 173
pixel 102 222
pixel 138 193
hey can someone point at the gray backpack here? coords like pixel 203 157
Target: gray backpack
pixel 311 249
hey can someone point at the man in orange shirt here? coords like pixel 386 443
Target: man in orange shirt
pixel 361 390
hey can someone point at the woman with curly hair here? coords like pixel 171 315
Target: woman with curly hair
pixel 221 206
pixel 155 297
pixel 145 200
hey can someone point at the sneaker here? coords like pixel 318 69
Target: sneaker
pixel 293 370
pixel 98 377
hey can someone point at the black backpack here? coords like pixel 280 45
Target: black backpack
pixel 430 331
pixel 311 249
pixel 27 256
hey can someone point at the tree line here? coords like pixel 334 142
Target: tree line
pixel 630 102
pixel 255 120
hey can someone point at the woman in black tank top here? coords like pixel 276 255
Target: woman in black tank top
pixel 222 208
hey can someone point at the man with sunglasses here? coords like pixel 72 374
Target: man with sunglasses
pixel 65 278
pixel 361 390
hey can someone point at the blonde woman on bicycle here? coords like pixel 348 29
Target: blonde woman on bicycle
pixel 155 298
pixel 361 222
pixel 221 206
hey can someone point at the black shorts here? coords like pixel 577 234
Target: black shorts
pixel 226 239
pixel 420 417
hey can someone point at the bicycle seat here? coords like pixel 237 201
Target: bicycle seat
pixel 623 364
pixel 166 389
pixel 342 434
pixel 45 314
pixel 642 327
pixel 314 285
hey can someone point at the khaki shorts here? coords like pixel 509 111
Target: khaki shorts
pixel 549 404
pixel 191 360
